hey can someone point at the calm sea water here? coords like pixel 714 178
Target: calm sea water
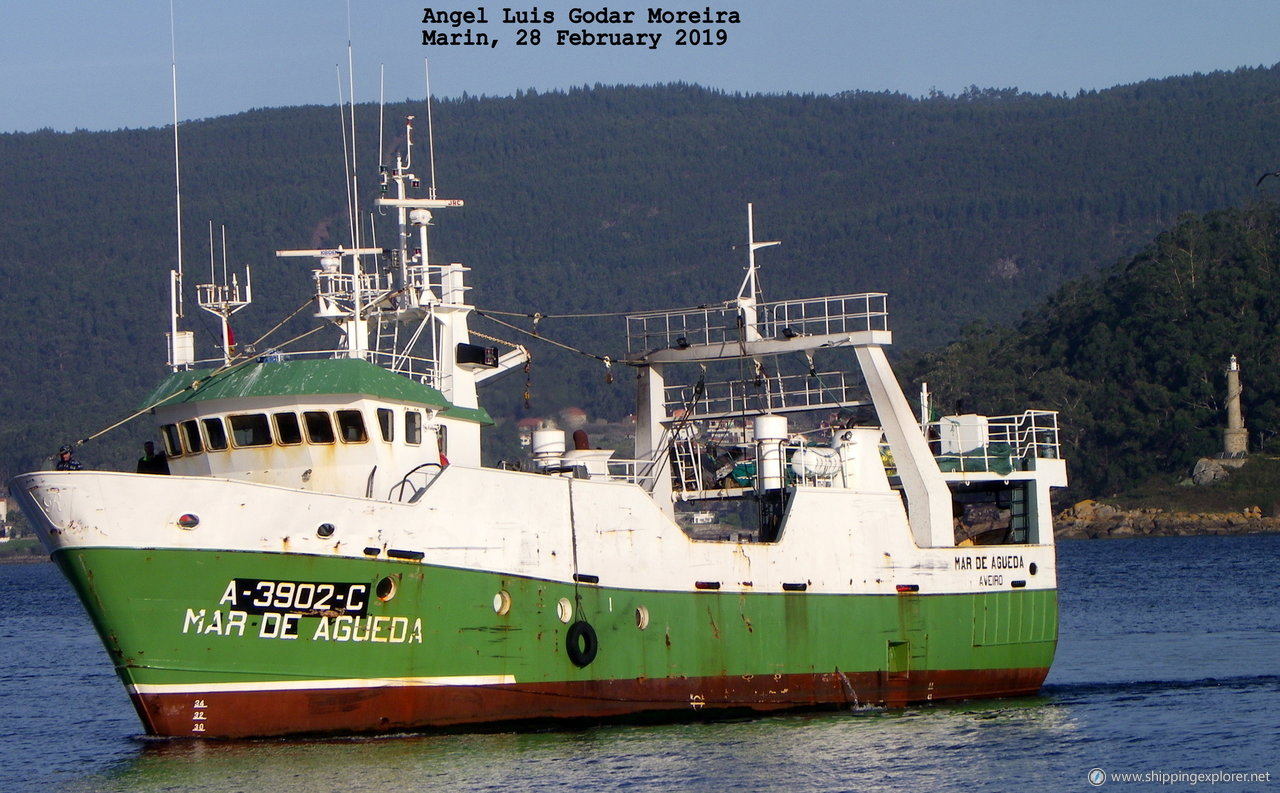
pixel 1169 662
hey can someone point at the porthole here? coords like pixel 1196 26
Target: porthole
pixel 642 617
pixel 325 530
pixel 386 588
pixel 1032 568
pixel 564 610
pixel 502 602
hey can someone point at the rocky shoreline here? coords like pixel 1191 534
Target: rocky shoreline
pixel 1091 520
pixel 23 557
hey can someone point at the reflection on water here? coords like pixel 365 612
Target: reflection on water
pixel 869 750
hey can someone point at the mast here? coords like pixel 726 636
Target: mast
pixel 181 343
pixel 433 295
pixel 224 299
pixel 749 300
pixel 360 301
pixel 431 133
pixel 749 292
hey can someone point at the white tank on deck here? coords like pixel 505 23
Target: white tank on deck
pixel 859 451
pixel 963 433
pixel 771 439
pixel 815 462
pixel 548 447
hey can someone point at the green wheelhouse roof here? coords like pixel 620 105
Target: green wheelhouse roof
pixel 305 377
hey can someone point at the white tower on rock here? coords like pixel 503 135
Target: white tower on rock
pixel 1235 438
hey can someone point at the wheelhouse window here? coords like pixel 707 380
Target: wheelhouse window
pixel 319 428
pixel 386 423
pixel 191 436
pixel 412 427
pixel 250 429
pixel 215 433
pixel 351 426
pixel 288 430
pixel 172 443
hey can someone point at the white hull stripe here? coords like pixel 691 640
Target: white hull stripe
pixel 305 685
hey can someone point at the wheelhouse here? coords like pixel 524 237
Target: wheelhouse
pixel 330 425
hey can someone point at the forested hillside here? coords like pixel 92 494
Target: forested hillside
pixel 606 199
pixel 1135 357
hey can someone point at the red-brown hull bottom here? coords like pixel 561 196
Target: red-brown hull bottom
pixel 391 709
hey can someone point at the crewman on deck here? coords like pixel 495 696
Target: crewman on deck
pixel 152 462
pixel 67 460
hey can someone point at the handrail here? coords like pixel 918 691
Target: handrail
pixel 723 323
pixel 637 472
pixel 779 392
pixel 1004 443
pixel 419 368
pixel 417 491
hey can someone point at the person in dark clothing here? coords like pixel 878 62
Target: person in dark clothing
pixel 151 462
pixel 67 460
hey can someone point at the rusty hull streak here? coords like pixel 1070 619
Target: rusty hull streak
pixel 410 708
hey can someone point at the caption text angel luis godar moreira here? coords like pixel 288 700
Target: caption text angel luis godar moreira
pixel 649 28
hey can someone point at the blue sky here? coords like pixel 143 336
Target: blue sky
pixel 90 64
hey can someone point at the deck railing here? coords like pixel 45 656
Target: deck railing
pixel 725 323
pixel 414 367
pixel 777 393
pixel 1007 443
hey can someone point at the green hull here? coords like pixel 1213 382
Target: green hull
pixel 238 644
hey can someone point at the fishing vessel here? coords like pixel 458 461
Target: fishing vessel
pixel 329 554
